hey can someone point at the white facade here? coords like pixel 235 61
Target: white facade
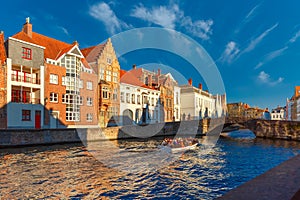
pixel 25 96
pixel 177 108
pixel 139 105
pixel 196 103
pixel 298 109
pixel 278 114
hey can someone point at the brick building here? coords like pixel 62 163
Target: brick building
pixel 45 85
pixel 2 82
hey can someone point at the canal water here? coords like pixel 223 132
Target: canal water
pixel 72 172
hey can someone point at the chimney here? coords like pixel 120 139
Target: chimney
pixel 75 43
pixel 134 66
pixel 200 86
pixel 27 27
pixel 158 72
pixel 190 82
pixel 150 80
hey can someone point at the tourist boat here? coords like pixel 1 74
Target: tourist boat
pixel 175 149
pixel 180 149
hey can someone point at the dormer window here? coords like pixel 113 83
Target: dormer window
pixel 26 53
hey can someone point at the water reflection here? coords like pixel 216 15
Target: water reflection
pixel 70 171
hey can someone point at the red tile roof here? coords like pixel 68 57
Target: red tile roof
pixel 86 51
pixel 54 48
pixel 92 53
pixel 129 77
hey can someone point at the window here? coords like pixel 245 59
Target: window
pixel 115 94
pixel 53 97
pixel 108 75
pixel 152 101
pixel 26 53
pixel 64 80
pixel 115 77
pixel 109 61
pixel 127 98
pixel 20 96
pixel 133 98
pixel 122 96
pixel 26 115
pixel 79 100
pixel 89 117
pixel 89 101
pixel 81 83
pixel 101 73
pixel 138 99
pixel 53 79
pixel 105 93
pixel 89 85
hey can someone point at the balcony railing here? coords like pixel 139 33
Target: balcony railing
pixel 25 100
pixel 26 79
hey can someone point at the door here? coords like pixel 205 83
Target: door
pixel 37 119
pixel 54 119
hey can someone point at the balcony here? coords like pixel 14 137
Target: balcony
pixel 25 100
pixel 24 77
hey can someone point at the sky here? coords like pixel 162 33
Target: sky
pixel 254 44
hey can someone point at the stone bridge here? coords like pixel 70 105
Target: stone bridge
pixel 275 129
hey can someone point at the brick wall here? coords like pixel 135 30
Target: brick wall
pixel 59 89
pixel 84 92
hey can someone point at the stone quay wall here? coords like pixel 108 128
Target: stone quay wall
pixel 22 137
pixel 261 128
pixel 275 129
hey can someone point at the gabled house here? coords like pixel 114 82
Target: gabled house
pixel 47 83
pixel 139 102
pixel 102 58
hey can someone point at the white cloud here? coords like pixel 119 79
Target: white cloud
pixel 253 43
pixel 270 56
pixel 251 13
pixel 161 15
pixel 171 16
pixel 105 14
pixel 63 29
pixel 295 37
pixel 263 77
pixel 230 52
pixel 199 28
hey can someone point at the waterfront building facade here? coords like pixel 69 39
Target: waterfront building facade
pixel 237 109
pixel 139 102
pixel 3 81
pixel 166 84
pixel 293 106
pixel 278 113
pixel 102 58
pixel 196 103
pixel 177 103
pixel 43 82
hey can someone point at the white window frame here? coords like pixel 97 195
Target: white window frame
pixel 53 97
pixel 89 85
pixel 89 117
pixel 53 79
pixel 89 101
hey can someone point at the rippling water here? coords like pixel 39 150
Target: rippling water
pixel 71 172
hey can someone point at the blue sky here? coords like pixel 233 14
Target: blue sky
pixel 255 44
